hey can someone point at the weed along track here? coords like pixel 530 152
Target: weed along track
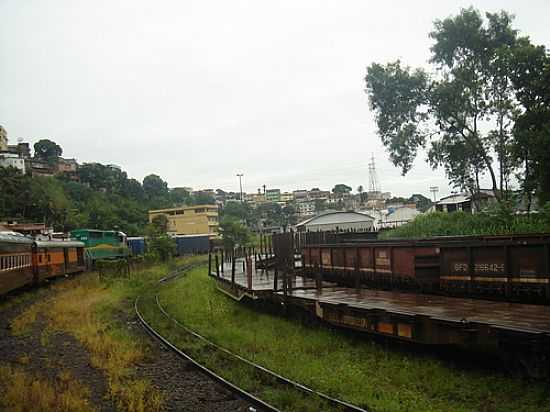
pixel 263 388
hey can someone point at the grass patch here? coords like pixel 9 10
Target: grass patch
pixel 94 311
pixel 495 221
pixel 354 369
pixel 22 391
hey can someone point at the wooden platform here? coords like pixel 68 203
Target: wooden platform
pixel 261 280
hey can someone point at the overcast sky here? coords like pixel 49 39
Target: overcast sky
pixel 197 91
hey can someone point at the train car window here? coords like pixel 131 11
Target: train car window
pixel 1 262
pixel 39 258
pixel 49 257
pixel 95 235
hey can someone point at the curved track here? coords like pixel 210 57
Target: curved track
pixel 336 403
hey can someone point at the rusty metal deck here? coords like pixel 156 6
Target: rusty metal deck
pixel 511 316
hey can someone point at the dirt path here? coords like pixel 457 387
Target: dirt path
pixel 46 355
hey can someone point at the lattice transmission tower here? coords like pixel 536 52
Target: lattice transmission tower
pixel 374 186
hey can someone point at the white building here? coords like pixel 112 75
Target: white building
pixel 3 139
pixel 13 160
pixel 399 217
pixel 305 208
pixel 337 221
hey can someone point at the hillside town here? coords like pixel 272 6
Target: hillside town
pixel 366 208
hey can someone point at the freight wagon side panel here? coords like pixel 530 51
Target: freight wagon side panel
pixel 366 261
pixel 455 264
pixel 314 256
pixel 326 260
pixel 350 258
pixel 338 258
pixel 528 261
pixel 382 259
pixel 403 262
pixel 489 263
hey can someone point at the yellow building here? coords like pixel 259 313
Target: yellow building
pixel 287 197
pixel 190 220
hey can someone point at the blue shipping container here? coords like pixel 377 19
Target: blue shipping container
pixel 136 245
pixel 192 244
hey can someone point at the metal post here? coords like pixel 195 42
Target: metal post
pixel 217 266
pixel 240 175
pixel 209 263
pixel 233 271
pixel 249 272
pixel 223 261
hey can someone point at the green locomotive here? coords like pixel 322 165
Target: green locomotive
pixel 102 244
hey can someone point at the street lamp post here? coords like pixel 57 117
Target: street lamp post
pixel 240 175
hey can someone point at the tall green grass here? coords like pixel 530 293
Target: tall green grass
pixel 496 221
pixel 354 369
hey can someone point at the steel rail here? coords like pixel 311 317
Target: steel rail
pixel 337 402
pixel 233 388
pixel 155 334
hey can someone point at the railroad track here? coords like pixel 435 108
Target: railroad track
pixel 335 404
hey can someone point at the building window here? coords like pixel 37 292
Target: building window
pixel 180 212
pixel 199 210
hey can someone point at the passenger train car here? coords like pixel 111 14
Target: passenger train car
pixel 15 262
pixel 26 262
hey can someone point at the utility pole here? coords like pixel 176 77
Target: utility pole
pixel 240 175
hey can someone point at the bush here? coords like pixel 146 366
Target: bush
pixel 161 248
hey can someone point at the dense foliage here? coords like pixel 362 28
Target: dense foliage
pixel 104 198
pixel 496 221
pixel 482 110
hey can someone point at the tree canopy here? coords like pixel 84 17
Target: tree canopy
pixel 341 188
pixel 47 150
pixel 464 110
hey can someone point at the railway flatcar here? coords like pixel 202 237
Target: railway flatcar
pixel 15 262
pixel 102 244
pixel 513 268
pixel 55 258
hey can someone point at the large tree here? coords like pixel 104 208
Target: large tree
pixel 531 144
pixel 47 150
pixel 154 186
pixel 341 188
pixel 463 110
